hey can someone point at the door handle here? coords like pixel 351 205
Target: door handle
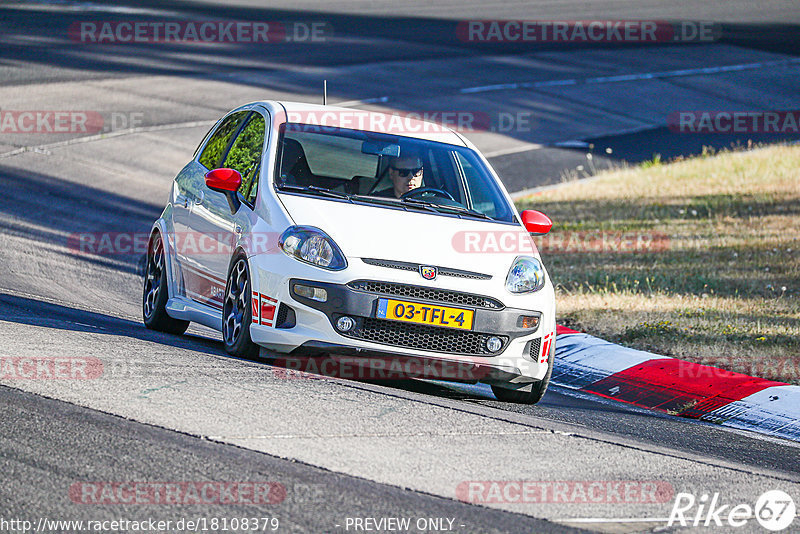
pixel 181 200
pixel 200 198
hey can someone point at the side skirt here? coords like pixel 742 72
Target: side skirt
pixel 189 310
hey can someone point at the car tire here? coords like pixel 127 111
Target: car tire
pixel 237 311
pixel 537 390
pixel 155 293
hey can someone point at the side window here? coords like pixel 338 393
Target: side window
pixel 245 155
pixel 212 153
pixel 483 197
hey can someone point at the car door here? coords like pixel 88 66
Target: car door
pixel 190 245
pixel 211 220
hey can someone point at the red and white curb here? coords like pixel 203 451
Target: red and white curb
pixel 678 387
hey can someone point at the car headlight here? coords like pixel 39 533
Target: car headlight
pixel 526 275
pixel 313 246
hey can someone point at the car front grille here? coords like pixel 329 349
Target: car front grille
pixel 442 271
pixel 426 293
pixel 423 337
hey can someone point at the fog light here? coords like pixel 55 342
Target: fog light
pixel 528 321
pixel 345 323
pixel 493 344
pixel 313 293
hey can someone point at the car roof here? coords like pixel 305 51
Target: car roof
pixel 401 123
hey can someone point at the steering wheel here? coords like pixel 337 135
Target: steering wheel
pixel 427 191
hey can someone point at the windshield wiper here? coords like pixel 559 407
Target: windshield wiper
pixel 443 207
pixel 430 206
pixel 418 204
pixel 322 191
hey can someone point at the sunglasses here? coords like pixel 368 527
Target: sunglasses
pixel 406 172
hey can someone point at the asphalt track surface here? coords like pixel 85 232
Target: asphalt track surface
pixel 179 409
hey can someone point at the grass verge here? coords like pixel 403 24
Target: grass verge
pixel 697 259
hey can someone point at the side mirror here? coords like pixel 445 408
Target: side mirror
pixel 227 182
pixel 536 222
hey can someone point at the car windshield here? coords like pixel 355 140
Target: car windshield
pixel 388 170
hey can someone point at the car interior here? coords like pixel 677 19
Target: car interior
pixel 356 163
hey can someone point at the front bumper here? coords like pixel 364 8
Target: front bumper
pixel 314 332
pixel 359 301
pixel 344 361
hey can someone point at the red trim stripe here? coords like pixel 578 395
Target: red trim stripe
pixel 210 287
pixel 564 330
pixel 546 348
pixel 678 387
pixel 214 303
pixel 268 307
pixel 204 274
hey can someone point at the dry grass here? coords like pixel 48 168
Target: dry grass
pixel 715 277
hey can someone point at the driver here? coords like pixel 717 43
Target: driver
pixel 406 175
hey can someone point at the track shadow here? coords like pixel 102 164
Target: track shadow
pixel 51 210
pixel 28 311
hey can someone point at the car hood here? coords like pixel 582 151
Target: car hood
pixel 365 231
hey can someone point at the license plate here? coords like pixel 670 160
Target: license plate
pixel 414 312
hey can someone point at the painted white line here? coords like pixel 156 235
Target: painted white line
pixel 555 83
pixel 611 520
pixel 377 435
pixel 61 5
pixel 45 149
pixel 632 77
pixel 484 88
pixel 513 150
pixel 572 143
pixel 352 103
pixel 87 325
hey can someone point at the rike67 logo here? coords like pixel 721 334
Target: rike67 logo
pixel 774 510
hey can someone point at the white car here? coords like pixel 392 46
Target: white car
pixel 304 230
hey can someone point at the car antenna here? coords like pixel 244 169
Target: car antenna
pixel 324 92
